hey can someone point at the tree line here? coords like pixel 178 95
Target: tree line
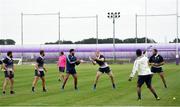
pixel 7 42
pixel 105 41
pixel 92 41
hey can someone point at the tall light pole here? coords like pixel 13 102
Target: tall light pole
pixel 177 34
pixel 22 34
pixel 97 41
pixel 114 16
pixel 146 41
pixel 136 29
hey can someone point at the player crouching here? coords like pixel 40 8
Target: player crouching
pixel 104 68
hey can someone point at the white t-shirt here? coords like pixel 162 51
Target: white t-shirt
pixel 141 66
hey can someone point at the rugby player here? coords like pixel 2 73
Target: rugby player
pixel 39 72
pixel 144 74
pixel 156 62
pixel 71 62
pixel 103 68
pixel 8 67
pixel 61 65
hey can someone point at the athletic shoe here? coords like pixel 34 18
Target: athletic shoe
pixel 157 98
pixel 33 90
pixel 139 99
pixel 94 87
pixel 12 92
pixel 62 88
pixel 44 90
pixel 76 88
pixel 3 92
pixel 114 86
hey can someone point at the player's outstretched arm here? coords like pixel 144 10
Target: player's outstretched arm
pixel 101 59
pixel 134 70
pixel 92 60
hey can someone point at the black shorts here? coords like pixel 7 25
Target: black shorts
pixel 144 78
pixel 61 69
pixel 105 70
pixel 41 73
pixel 156 70
pixel 71 71
pixel 9 74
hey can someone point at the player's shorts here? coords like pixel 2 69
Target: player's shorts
pixel 144 79
pixel 105 70
pixel 0 62
pixel 61 69
pixel 41 73
pixel 9 74
pixel 156 70
pixel 71 71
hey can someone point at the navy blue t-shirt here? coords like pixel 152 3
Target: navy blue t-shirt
pixel 156 59
pixel 8 62
pixel 101 63
pixel 40 61
pixel 71 59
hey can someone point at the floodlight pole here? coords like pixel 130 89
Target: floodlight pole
pixel 136 28
pixel 59 39
pixel 114 47
pixel 114 16
pixel 146 22
pixel 97 32
pixel 177 32
pixel 22 34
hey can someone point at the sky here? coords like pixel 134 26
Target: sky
pixel 41 29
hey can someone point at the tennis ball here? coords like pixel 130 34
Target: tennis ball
pixel 174 98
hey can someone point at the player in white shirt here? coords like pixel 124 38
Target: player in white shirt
pixel 141 66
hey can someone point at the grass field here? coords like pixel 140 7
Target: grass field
pixel 124 95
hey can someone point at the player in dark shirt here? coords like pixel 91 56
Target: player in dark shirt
pixel 8 67
pixel 156 62
pixel 39 72
pixel 71 62
pixel 103 68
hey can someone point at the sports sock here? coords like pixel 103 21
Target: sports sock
pixel 139 95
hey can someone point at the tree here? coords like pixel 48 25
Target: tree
pixel 7 42
pixel 139 40
pixel 61 42
pixel 104 41
pixel 174 41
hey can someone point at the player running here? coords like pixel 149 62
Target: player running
pixel 8 67
pixel 156 61
pixel 104 68
pixel 61 65
pixel 71 62
pixel 144 74
pixel 39 72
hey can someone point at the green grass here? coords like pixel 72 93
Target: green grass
pixel 124 95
